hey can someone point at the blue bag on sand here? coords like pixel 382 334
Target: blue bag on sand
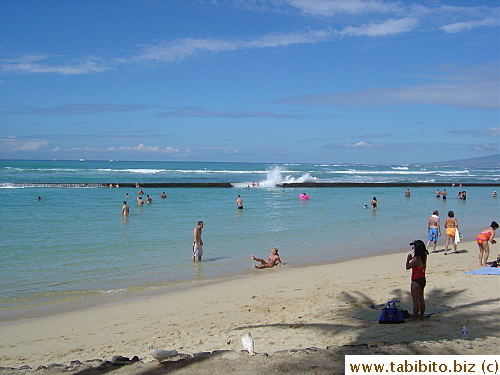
pixel 391 315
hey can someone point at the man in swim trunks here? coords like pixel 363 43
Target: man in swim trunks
pixel 444 194
pixel 434 229
pixel 197 242
pixel 239 202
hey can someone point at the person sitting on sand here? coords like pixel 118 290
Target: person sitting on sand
pixel 274 258
pixel 417 264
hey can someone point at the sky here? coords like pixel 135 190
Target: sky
pixel 272 81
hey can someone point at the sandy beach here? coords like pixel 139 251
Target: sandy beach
pixel 304 317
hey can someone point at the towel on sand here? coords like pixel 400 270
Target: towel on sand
pixel 488 270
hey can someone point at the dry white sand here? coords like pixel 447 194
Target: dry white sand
pixel 284 308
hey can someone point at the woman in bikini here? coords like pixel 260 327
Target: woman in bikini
pixel 451 225
pixel 273 259
pixel 482 239
pixel 417 263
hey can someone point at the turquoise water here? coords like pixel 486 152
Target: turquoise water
pixel 74 243
pixel 33 172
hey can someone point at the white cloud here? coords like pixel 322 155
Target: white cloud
pixel 468 25
pixel 182 48
pixel 358 145
pixel 385 18
pixel 327 8
pixel 389 27
pixel 32 63
pixel 16 144
pixel 149 149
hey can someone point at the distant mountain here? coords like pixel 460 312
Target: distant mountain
pixel 491 161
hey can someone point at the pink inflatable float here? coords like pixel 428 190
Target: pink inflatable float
pixel 304 197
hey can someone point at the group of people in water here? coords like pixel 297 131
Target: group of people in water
pixel 444 194
pixel 140 201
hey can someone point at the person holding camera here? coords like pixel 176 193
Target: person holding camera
pixel 417 262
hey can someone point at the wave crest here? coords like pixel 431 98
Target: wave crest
pixel 275 177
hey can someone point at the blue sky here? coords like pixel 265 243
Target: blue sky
pixel 320 81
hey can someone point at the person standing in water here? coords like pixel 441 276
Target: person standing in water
pixel 374 203
pixel 239 202
pixel 125 209
pixel 198 242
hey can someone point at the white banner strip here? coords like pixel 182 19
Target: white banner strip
pixel 422 364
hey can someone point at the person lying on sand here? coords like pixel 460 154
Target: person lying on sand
pixel 274 258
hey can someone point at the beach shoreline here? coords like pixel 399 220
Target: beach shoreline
pixel 284 308
pixel 11 315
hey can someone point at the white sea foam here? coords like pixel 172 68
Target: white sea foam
pixel 10 186
pixel 274 177
pixel 181 171
pixel 393 172
pixel 134 170
pixel 112 291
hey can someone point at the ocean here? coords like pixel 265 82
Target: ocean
pixel 73 248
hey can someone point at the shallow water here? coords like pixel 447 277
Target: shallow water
pixel 74 243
